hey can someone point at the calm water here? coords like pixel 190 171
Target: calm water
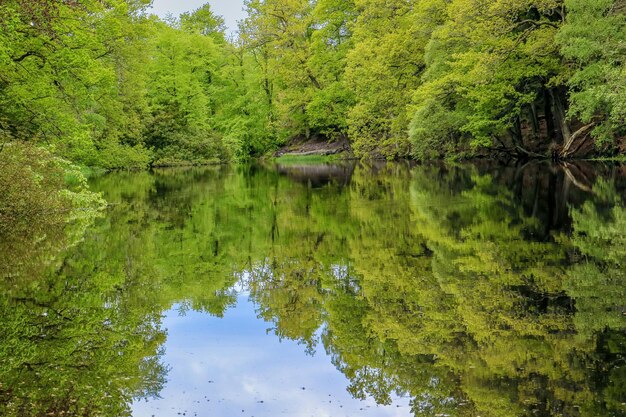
pixel 328 290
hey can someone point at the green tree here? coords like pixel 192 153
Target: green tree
pixel 488 67
pixel 204 22
pixel 181 73
pixel 592 40
pixel 383 69
pixel 63 78
pixel 45 208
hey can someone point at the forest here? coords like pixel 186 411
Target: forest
pixel 104 83
pixel 472 289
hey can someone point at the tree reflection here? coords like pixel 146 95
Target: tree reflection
pixel 473 290
pixel 457 294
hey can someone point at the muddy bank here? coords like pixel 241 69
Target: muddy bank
pixel 316 145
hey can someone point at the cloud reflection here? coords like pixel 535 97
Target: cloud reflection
pixel 232 366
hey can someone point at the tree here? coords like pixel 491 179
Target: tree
pixel 204 22
pixel 488 67
pixel 592 40
pixel 181 73
pixel 383 69
pixel 62 77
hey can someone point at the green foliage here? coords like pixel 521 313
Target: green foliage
pixel 110 86
pixel 434 78
pixel 244 110
pixel 592 39
pixel 66 74
pixel 45 207
pixel 384 68
pixel 485 64
pixel 204 22
pixel 180 73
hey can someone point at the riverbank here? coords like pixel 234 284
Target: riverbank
pixel 315 148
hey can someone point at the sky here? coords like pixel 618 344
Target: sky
pixel 230 10
pixel 234 366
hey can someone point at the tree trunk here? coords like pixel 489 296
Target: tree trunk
pixel 560 116
pixel 534 119
pixel 550 129
pixel 515 132
pixel 576 141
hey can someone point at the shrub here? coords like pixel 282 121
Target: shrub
pixel 45 205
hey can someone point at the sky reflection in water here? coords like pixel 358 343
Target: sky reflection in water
pixel 233 366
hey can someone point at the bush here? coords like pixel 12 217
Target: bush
pixel 45 206
pixel 116 156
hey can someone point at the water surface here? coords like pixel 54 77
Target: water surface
pixel 326 290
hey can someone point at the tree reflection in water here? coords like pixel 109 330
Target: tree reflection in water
pixel 475 290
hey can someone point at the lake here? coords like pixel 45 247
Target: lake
pixel 343 289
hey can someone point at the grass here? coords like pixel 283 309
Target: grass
pixel 75 175
pixel 89 172
pixel 617 158
pixel 307 159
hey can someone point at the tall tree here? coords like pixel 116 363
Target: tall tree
pixel 593 39
pixel 384 68
pixel 64 78
pixel 488 66
pixel 181 73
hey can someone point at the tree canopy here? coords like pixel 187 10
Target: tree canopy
pixel 107 84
